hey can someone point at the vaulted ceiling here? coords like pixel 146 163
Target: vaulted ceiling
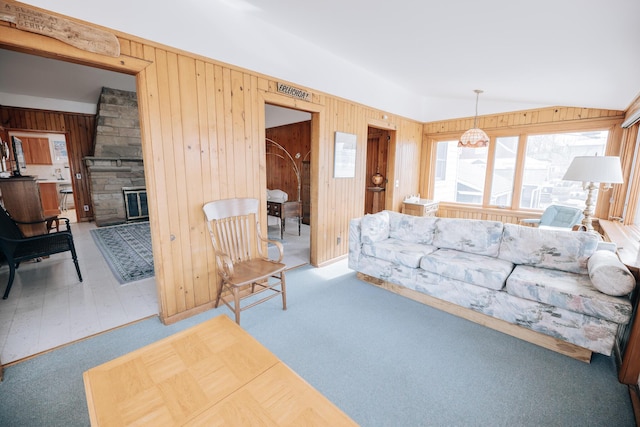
pixel 421 59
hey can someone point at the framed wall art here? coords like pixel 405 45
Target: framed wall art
pixel 344 162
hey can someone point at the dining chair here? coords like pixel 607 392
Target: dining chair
pixel 241 256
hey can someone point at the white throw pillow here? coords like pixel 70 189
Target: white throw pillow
pixel 609 275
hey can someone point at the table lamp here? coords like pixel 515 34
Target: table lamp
pixel 590 170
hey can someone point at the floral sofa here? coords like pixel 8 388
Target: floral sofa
pixel 566 285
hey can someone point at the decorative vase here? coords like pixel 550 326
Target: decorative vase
pixel 377 179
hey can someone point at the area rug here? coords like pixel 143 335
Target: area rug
pixel 127 250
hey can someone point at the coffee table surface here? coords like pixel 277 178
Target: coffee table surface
pixel 214 373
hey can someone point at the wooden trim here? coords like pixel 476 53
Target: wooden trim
pixel 550 343
pixel 381 124
pixel 634 395
pixel 168 320
pixel 36 44
pixel 542 120
pixel 631 140
pixel 633 107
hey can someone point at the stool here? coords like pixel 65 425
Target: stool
pixel 64 193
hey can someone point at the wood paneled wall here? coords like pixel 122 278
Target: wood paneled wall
pixel 79 130
pixel 296 139
pixel 203 132
pixel 553 119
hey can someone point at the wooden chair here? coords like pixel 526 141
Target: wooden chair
pixel 15 247
pixel 243 268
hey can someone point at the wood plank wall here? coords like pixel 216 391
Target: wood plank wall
pixel 295 138
pixel 553 119
pixel 79 130
pixel 203 131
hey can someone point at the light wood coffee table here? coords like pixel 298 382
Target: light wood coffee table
pixel 212 374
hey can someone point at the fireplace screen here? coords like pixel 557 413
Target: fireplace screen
pixel 135 202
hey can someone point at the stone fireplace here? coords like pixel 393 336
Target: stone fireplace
pixel 117 160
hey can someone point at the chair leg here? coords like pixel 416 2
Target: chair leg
pixel 219 294
pixel 75 261
pixel 283 286
pixel 236 304
pixel 12 275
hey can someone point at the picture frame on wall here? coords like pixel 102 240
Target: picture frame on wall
pixel 344 164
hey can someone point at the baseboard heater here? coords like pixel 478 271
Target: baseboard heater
pixel 135 203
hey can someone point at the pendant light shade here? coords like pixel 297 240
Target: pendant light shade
pixel 475 137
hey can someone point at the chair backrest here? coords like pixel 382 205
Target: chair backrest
pixel 8 228
pixel 233 227
pixel 561 216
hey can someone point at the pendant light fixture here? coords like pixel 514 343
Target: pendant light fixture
pixel 474 138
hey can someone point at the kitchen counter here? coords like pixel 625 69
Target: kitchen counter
pixel 53 181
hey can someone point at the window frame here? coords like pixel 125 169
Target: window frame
pixel 522 133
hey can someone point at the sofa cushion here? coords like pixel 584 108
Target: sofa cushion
pixel 571 291
pixel 398 251
pixel 410 228
pixel 558 250
pixel 476 269
pixel 609 275
pixel 374 227
pixel 468 235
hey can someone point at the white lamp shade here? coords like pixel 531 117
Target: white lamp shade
pixel 603 169
pixel 474 138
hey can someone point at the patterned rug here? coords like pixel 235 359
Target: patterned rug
pixel 127 249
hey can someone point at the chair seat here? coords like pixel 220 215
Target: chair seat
pixel 255 270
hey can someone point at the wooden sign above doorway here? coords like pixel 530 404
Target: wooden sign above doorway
pixel 294 92
pixel 75 34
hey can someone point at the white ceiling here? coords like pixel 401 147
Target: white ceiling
pixel 420 59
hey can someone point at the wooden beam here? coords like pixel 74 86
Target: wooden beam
pixel 36 44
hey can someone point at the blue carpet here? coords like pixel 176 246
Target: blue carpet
pixel 127 250
pixel 383 359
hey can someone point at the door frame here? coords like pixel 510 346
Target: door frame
pixel 317 113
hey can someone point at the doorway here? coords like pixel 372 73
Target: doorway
pixel 377 172
pixel 62 310
pixel 46 159
pixel 288 171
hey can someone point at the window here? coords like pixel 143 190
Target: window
pixel 441 162
pixel 547 159
pixel 504 170
pixel 461 173
pixel 464 173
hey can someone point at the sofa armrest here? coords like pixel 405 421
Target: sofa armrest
pixel 355 243
pixel 609 275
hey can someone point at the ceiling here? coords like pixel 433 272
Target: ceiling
pixel 421 59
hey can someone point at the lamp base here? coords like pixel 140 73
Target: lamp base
pixel 589 205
